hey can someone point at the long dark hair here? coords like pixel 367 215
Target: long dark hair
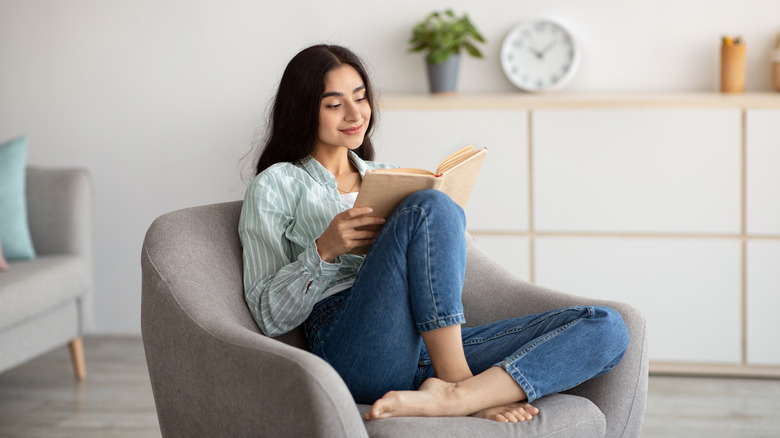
pixel 294 119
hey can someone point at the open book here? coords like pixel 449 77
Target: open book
pixel 384 189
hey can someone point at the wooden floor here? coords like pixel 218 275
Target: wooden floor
pixel 42 399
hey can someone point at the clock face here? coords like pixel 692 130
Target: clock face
pixel 539 55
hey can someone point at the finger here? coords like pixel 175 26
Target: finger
pixel 356 212
pixel 363 235
pixel 366 221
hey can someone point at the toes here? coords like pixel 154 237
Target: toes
pixel 512 417
pixel 528 410
pixel 376 410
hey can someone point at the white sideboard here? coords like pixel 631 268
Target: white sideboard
pixel 670 202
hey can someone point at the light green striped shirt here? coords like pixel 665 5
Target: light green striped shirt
pixel 287 207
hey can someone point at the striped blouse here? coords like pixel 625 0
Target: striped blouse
pixel 287 207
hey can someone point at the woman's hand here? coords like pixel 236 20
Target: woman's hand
pixel 342 235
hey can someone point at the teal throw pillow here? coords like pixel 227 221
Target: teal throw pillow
pixel 3 264
pixel 15 237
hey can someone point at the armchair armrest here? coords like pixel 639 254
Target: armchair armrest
pixel 212 372
pixel 492 293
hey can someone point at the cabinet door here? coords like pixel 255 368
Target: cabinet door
pixel 510 252
pixel 688 289
pixel 763 172
pixel 637 170
pixel 422 139
pixel 763 302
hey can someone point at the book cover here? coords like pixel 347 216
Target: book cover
pixel 384 189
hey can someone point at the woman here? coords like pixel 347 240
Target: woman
pixel 389 322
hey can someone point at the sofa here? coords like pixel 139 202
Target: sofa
pixel 46 302
pixel 214 374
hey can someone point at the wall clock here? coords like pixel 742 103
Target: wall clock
pixel 539 55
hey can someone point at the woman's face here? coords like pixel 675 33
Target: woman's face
pixel 344 110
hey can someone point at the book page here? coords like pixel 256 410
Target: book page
pixel 459 181
pixel 455 158
pixel 403 170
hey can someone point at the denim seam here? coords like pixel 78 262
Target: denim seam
pixel 327 314
pixel 333 318
pixel 428 264
pixel 518 377
pixel 443 321
pixel 398 213
pixel 546 338
pixel 477 341
pixel 421 213
pixel 440 321
pixel 509 364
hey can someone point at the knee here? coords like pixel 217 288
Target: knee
pixel 433 201
pixel 428 196
pixel 614 330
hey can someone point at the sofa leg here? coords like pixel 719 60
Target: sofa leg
pixel 77 356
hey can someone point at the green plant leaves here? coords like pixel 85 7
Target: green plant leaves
pixel 444 34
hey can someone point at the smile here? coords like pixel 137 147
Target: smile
pixel 352 131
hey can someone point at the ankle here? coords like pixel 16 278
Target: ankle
pixel 454 376
pixel 461 395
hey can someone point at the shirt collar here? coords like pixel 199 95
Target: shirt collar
pixel 361 165
pixel 322 176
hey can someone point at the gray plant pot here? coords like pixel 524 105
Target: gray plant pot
pixel 443 77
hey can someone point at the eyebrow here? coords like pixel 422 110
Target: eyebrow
pixel 340 94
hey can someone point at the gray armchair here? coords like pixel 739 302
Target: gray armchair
pixel 214 374
pixel 46 302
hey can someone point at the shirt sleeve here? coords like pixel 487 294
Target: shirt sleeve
pixel 280 287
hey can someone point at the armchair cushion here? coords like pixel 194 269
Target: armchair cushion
pixel 14 230
pixel 559 416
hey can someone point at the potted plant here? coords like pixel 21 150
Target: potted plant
pixel 444 35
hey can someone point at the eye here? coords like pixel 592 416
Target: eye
pixel 331 103
pixel 360 99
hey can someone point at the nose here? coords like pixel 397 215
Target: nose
pixel 353 112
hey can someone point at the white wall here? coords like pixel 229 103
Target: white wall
pixel 160 99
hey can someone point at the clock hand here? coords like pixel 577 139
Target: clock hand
pixel 536 53
pixel 540 53
pixel 548 47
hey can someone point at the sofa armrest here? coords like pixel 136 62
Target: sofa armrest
pixel 59 210
pixel 212 376
pixel 492 293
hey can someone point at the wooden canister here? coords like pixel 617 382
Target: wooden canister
pixel 776 65
pixel 732 67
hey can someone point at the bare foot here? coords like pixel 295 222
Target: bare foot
pixel 511 413
pixel 435 398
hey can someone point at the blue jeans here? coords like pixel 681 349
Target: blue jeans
pixel 411 282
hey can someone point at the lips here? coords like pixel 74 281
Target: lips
pixel 352 131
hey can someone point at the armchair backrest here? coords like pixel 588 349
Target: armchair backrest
pixel 205 269
pixel 198 250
